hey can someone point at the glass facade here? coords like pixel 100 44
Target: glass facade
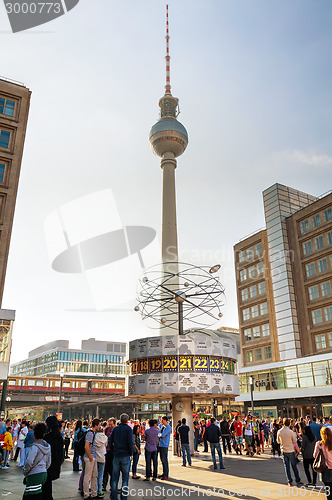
pixel 71 361
pixel 315 374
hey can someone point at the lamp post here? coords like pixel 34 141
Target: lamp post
pixel 62 374
pixel 251 382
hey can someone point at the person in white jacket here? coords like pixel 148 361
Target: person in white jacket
pixel 101 443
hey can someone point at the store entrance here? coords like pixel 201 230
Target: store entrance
pixel 299 411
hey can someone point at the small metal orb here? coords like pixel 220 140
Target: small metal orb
pixel 220 315
pixel 163 320
pixel 186 284
pixel 136 308
pixel 145 279
pixel 180 296
pixel 214 269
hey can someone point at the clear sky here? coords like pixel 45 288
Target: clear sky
pixel 254 79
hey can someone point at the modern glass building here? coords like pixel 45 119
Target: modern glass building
pixel 95 359
pixel 284 289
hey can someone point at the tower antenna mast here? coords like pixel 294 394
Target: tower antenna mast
pixel 168 58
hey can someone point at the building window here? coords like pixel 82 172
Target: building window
pixel 267 352
pixel 313 292
pixel 317 316
pixel 319 243
pixel 307 247
pixel 263 308
pixel 320 341
pixel 2 171
pixel 258 354
pixel 243 275
pixel 252 272
pixel 261 288
pixel 326 288
pixel 246 314
pixel 310 269
pixel 250 253
pixel 254 312
pixel 327 214
pixel 322 265
pixel 328 313
pixel 7 107
pixel 258 249
pixel 247 334
pixel 260 268
pixel 249 357
pixel 242 256
pixel 315 220
pixel 244 294
pixel 4 138
pixel 329 335
pixel 253 291
pixel 329 238
pixel 256 332
pixel 304 226
pixel 265 330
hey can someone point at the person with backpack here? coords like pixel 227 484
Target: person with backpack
pixel 78 433
pixel 90 460
pixel 37 461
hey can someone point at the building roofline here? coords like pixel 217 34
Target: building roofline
pixel 10 80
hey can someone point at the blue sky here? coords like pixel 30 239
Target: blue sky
pixel 254 82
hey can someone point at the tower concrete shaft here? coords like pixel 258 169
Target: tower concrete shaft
pixel 169 241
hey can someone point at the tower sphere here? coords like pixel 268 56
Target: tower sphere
pixel 168 135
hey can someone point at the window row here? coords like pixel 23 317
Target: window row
pixel 257 354
pixel 313 374
pixel 319 266
pixel 250 253
pixel 321 315
pixel 252 272
pixel 316 220
pixel 7 106
pixel 253 291
pixel 319 291
pixel 317 243
pixel 254 311
pixel 256 332
pixel 323 340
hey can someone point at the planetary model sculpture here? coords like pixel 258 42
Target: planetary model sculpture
pixel 185 360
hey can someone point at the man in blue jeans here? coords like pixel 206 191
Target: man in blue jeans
pixel 183 431
pixel 163 447
pixel 121 441
pixel 213 436
pixel 287 440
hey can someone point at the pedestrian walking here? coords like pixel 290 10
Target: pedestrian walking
pixel 326 446
pixel 137 450
pixel 287 440
pixel 213 436
pixel 54 439
pixel 111 423
pixel 163 447
pixel 101 442
pixel 38 460
pixel 90 460
pixel 184 440
pixel 122 442
pixel 151 451
pixel 307 447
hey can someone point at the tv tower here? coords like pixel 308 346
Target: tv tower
pixel 169 139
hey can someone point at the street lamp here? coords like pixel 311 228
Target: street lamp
pixel 251 382
pixel 62 374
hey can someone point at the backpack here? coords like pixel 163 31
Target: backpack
pixel 80 443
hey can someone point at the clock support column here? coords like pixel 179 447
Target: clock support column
pixel 182 408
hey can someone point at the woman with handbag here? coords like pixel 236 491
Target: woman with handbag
pixel 323 459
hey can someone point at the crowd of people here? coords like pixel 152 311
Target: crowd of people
pixel 104 450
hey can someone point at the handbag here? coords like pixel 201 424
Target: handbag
pixel 319 464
